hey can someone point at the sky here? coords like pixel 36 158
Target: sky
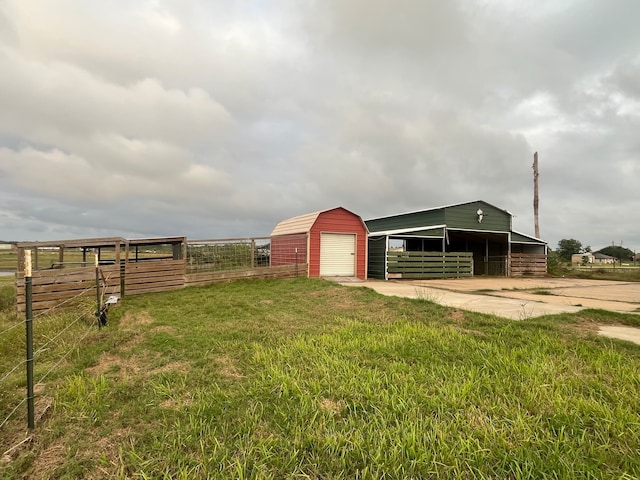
pixel 217 119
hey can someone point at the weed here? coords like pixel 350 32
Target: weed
pixel 541 291
pixel 428 295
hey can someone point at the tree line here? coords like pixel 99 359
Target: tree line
pixel 570 246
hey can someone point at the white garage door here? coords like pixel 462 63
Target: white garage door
pixel 337 255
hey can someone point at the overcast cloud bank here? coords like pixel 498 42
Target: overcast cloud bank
pixel 217 119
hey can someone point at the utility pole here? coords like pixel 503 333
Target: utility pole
pixel 535 194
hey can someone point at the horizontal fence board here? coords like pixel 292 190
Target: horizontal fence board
pixel 429 254
pixel 154 288
pixel 160 277
pixel 429 264
pixel 433 275
pixel 54 287
pixel 66 275
pixel 160 266
pixel 528 264
pixel 155 282
pixel 431 270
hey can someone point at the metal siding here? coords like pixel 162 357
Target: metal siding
pixel 377 257
pixel 465 217
pixel 338 220
pixel 407 220
pixel 337 254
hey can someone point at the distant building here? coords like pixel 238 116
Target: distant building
pixel 582 258
pixel 602 258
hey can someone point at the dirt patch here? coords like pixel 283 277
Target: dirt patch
pixel 180 367
pixel 169 330
pixel 130 321
pixel 332 406
pixel 125 367
pixel 227 368
pixel 175 403
pixel 46 462
pixel 109 448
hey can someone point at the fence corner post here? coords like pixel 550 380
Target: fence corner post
pixel 28 284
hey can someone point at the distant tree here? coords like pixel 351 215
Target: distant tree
pixel 619 252
pixel 568 247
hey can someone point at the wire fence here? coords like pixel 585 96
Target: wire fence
pixel 58 333
pixel 228 254
pixel 219 255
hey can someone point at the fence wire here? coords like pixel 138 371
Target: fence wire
pixel 245 253
pixel 228 254
pixel 55 337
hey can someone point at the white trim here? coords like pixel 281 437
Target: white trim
pixel 477 231
pixel 386 258
pixel 406 230
pixel 419 236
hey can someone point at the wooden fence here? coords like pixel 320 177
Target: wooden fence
pixel 56 287
pixel 528 265
pixel 153 276
pixel 429 264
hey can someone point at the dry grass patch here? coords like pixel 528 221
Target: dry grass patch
pixel 177 367
pixel 227 368
pixel 131 320
pixel 330 405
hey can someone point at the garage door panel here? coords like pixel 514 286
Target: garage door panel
pixel 337 255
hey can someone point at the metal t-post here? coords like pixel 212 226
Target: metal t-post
pixel 28 285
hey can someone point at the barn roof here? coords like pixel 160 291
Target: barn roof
pixel 299 224
pixel 441 208
pixel 303 223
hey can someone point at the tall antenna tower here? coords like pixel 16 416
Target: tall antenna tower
pixel 535 194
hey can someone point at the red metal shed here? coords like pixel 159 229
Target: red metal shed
pixel 333 243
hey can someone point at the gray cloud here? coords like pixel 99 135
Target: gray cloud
pixel 222 118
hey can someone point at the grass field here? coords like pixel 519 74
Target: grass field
pixel 307 379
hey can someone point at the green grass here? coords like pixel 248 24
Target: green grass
pixel 307 379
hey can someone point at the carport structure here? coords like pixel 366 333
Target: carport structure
pixel 473 238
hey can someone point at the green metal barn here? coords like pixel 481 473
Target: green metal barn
pixel 466 239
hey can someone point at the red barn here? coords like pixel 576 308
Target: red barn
pixel 333 242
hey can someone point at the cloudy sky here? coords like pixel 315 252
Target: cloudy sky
pixel 219 118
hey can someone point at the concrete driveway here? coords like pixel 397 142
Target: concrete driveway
pixel 522 298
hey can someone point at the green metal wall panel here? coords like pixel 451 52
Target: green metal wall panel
pixel 377 257
pixel 407 220
pixel 465 217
